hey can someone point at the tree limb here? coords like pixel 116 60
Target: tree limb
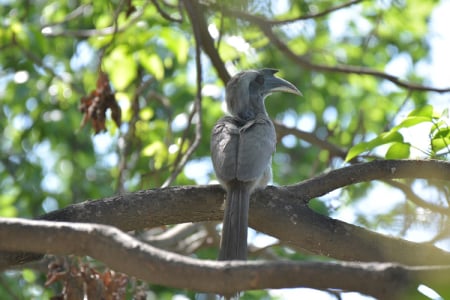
pixel 347 69
pixel 266 27
pixel 128 255
pixel 278 211
pixel 195 13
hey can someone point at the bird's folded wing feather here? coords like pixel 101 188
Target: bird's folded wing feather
pixel 242 152
pixel 224 148
pixel 256 145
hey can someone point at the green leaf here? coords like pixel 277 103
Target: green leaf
pixel 382 139
pixel 398 151
pixel 411 121
pixel 121 67
pixel 158 151
pixel 29 275
pixel 440 139
pixel 425 111
pixel 319 207
pixel 152 63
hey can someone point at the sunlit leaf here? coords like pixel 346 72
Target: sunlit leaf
pixel 398 151
pixel 382 139
pixel 441 139
pixel 121 67
pixel 152 63
pixel 425 111
pixel 411 121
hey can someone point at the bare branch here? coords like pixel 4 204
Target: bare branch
pixel 303 61
pixel 418 200
pixel 126 254
pixel 259 19
pixel 283 130
pixel 128 139
pixel 166 15
pixel 197 111
pixel 55 30
pixel 266 26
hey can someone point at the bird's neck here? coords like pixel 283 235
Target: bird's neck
pixel 247 111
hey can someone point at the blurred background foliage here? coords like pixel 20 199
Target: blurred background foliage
pixel 362 69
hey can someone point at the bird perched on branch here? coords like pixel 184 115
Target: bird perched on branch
pixel 241 150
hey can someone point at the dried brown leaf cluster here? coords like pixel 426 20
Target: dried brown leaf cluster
pixel 81 281
pixel 94 105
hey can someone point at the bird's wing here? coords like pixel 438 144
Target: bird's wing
pixel 224 148
pixel 256 145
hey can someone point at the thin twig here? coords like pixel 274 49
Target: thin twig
pixel 164 14
pixel 258 19
pixel 55 31
pixel 418 200
pixel 266 27
pixel 334 150
pixel 127 139
pixel 197 110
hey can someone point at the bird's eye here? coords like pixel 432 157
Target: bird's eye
pixel 260 79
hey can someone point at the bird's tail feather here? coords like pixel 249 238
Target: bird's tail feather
pixel 233 245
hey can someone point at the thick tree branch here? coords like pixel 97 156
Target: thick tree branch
pixel 128 255
pixel 278 211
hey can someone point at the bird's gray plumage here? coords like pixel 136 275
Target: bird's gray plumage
pixel 241 150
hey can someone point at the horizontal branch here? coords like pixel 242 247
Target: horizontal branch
pixel 282 212
pixel 128 255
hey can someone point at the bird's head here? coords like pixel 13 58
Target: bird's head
pixel 246 91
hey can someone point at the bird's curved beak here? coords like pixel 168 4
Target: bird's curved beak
pixel 276 84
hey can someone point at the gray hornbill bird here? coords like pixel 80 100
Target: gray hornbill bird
pixel 241 150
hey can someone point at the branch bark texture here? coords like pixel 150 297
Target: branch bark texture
pixel 282 212
pixel 126 254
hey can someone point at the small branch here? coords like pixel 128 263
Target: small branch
pixel 126 254
pixel 55 30
pixel 128 139
pixel 164 14
pixel 33 57
pixel 347 69
pixel 418 200
pixel 266 27
pixel 283 130
pixel 374 170
pixel 197 112
pixel 259 19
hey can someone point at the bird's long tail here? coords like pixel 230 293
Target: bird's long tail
pixel 233 245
